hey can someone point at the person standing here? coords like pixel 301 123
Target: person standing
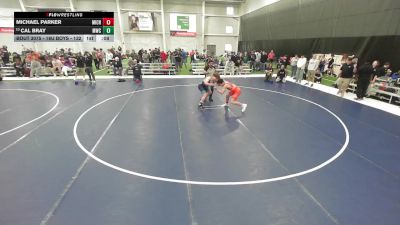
pixel 157 55
pixel 140 54
pixel 293 64
pixel 146 57
pixel 88 67
pixel 245 57
pixel 378 71
pixel 163 56
pixel 363 78
pixel 96 61
pixel 80 67
pixel 301 66
pixel 134 55
pixel 257 61
pixel 109 57
pixel 196 56
pixel 229 67
pixel 238 64
pixel 192 56
pixel 345 76
pixel 117 67
pixel 35 66
pixel 321 65
pixel 184 55
pixel 178 60
pixel 204 88
pixel 233 93
pixel 271 56
pixel 101 56
pixel 252 60
pixel 151 55
pixel 312 67
pixel 210 71
pixel 5 55
pixel 130 65
pixel 331 61
pixel 287 62
pixel 263 60
pixel 354 61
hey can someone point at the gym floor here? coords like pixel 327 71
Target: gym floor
pixel 118 153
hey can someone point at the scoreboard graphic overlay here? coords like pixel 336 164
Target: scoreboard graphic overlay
pixel 64 26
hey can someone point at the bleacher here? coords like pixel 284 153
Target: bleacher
pixel 9 71
pixel 198 69
pixel 152 69
pixel 382 89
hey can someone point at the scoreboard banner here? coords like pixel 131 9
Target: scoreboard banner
pixel 64 26
pixel 141 21
pixel 182 25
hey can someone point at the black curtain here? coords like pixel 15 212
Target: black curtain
pixel 383 48
pixel 369 29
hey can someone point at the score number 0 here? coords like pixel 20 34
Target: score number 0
pixel 108 25
pixel 108 21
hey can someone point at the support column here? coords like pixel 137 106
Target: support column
pixel 238 37
pixel 23 9
pixel 203 25
pixel 72 5
pixel 121 28
pixel 164 43
pixel 21 4
pixel 73 9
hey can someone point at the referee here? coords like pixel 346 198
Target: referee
pixel 364 76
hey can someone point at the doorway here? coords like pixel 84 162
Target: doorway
pixel 211 50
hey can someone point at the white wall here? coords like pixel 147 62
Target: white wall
pixel 47 3
pixel 214 25
pixel 220 43
pixel 187 43
pixel 106 5
pixel 9 4
pixel 8 38
pixel 143 40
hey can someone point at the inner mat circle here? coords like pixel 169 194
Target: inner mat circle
pixel 204 182
pixel 38 117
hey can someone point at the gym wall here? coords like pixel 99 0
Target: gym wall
pixel 215 25
pixel 369 29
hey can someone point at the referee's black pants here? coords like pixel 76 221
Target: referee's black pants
pixel 362 87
